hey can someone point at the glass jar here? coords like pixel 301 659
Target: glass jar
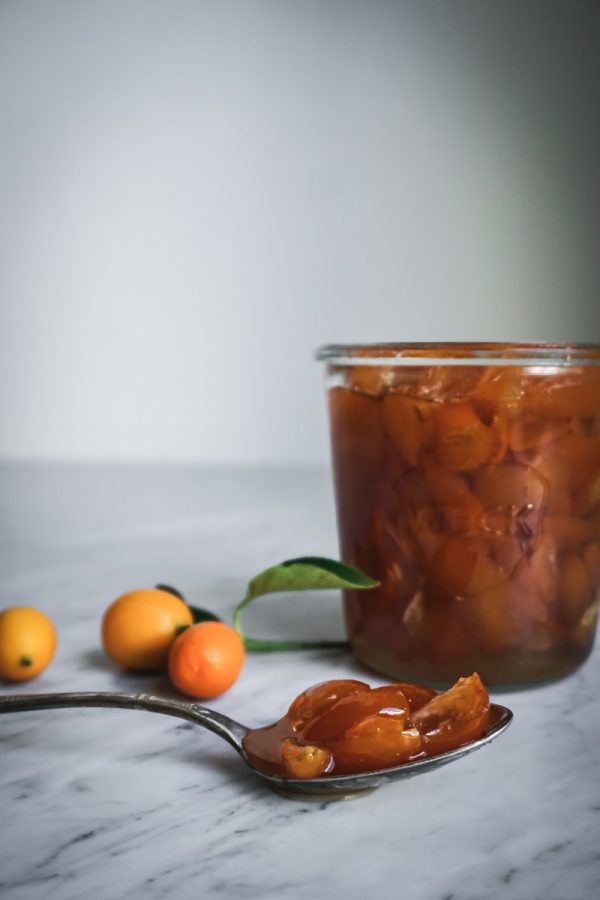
pixel 467 482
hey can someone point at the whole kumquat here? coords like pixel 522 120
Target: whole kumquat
pixel 138 628
pixel 27 642
pixel 206 659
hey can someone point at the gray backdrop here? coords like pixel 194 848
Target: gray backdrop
pixel 194 195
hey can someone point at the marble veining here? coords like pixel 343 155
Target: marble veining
pixel 115 803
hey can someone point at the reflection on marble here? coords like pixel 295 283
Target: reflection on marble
pixel 111 803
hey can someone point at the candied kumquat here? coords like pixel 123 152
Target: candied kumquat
pixel 454 718
pixel 356 423
pixel 406 421
pixel 500 391
pixel 385 701
pixel 575 586
pixel 304 761
pixel 463 567
pixel 462 441
pixel 529 433
pixel 555 398
pixel 573 460
pixel 472 493
pixel 445 638
pixel 417 695
pixel 461 509
pixel 372 380
pixel 488 617
pixel 368 729
pixel 376 742
pixel 316 700
pixel 591 556
pixel 568 531
pixel 585 629
pixel 512 486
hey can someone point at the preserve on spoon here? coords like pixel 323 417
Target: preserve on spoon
pixel 233 732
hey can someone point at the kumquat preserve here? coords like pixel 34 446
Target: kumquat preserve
pixel 467 482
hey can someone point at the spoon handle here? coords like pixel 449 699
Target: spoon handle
pixel 225 727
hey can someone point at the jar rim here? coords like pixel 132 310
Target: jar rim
pixel 538 353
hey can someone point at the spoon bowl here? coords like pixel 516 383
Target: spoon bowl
pixel 233 732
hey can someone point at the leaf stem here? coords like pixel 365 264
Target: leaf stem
pixel 272 646
pixel 260 646
pixel 237 616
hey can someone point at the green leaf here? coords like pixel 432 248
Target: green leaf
pixel 198 614
pixel 306 573
pixel 202 615
pixel 170 590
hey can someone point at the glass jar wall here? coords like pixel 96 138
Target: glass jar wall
pixel 467 482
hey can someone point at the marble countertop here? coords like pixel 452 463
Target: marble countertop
pixel 114 803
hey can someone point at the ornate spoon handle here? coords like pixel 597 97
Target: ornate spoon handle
pixel 227 728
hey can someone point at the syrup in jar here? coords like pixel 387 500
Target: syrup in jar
pixel 468 484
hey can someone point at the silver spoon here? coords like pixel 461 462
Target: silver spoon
pixel 234 733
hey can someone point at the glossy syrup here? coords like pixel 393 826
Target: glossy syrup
pixel 345 727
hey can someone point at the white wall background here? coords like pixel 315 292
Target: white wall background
pixel 194 195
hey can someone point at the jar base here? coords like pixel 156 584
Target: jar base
pixel 504 672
